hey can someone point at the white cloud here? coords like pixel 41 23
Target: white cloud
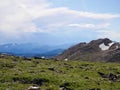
pixel 19 16
pixel 82 25
pixel 91 26
pixel 114 35
pixel 91 15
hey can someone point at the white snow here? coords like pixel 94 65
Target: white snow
pixel 110 44
pixel 117 47
pixel 104 47
pixel 43 57
pixel 66 59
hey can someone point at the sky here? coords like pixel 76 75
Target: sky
pixel 58 21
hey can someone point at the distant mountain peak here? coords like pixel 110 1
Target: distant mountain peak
pixel 96 50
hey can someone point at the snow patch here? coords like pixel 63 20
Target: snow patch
pixel 43 57
pixel 104 47
pixel 66 59
pixel 117 47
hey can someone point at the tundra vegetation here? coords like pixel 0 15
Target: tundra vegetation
pixel 17 73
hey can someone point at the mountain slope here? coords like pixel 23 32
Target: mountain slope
pixel 97 50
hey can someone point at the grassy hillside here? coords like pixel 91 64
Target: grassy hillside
pixel 20 73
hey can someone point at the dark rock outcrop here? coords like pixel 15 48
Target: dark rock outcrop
pixel 112 77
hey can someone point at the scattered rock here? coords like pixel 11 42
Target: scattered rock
pixel 51 69
pixel 86 77
pixel 102 75
pixel 39 81
pixel 95 89
pixel 33 88
pixel 28 59
pixel 42 70
pixel 110 76
pixel 65 86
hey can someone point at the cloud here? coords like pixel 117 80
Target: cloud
pixel 17 12
pixel 114 35
pixel 23 17
pixel 91 15
pixel 90 26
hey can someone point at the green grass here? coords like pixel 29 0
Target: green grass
pixel 19 74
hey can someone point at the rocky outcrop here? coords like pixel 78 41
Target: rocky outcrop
pixel 97 50
pixel 112 77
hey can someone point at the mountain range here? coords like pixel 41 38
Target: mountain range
pixel 30 50
pixel 104 50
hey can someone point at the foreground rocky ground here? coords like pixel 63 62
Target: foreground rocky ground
pixel 21 73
